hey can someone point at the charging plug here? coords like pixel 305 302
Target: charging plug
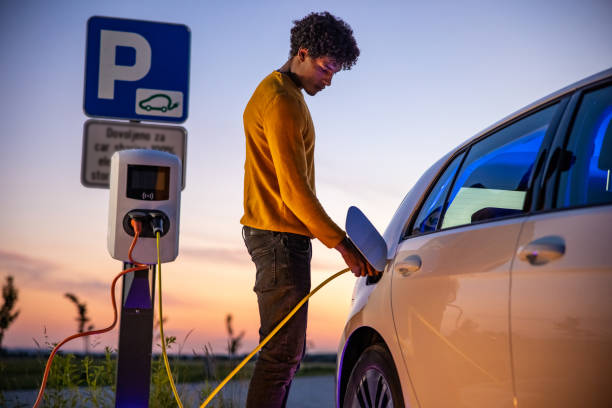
pixel 136 226
pixel 157 222
pixel 136 220
pixel 138 215
pixel 152 222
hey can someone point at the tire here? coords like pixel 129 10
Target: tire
pixel 374 381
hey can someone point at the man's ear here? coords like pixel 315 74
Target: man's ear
pixel 302 54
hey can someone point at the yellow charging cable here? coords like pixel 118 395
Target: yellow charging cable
pixel 269 336
pixel 161 329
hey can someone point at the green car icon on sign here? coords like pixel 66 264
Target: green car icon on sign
pixel 160 102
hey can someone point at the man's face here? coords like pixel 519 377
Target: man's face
pixel 315 73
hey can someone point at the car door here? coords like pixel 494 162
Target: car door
pixel 451 273
pixel 561 311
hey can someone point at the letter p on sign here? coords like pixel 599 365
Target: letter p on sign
pixel 109 70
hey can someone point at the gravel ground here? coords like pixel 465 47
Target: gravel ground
pixel 306 392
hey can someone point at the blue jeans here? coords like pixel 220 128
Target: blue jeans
pixel 282 261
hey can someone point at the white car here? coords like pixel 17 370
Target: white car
pixel 497 283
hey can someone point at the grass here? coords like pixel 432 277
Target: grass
pixel 24 371
pixel 78 380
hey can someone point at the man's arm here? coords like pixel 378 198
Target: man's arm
pixel 284 125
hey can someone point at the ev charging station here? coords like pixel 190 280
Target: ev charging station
pixel 145 185
pixel 137 70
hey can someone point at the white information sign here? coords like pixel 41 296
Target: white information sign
pixel 102 138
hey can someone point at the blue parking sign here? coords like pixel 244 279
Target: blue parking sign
pixel 137 70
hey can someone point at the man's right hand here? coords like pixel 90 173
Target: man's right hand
pixel 354 260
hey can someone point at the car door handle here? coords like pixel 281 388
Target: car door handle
pixel 543 250
pixel 409 265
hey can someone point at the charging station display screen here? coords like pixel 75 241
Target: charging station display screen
pixel 151 183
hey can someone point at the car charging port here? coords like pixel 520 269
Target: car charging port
pixel 152 221
pixel 373 280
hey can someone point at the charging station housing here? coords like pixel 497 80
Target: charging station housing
pixel 144 184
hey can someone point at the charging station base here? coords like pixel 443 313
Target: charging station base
pixel 135 338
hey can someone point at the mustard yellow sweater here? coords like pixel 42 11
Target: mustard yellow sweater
pixel 279 174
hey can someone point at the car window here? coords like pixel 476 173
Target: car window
pixel 587 179
pixel 494 178
pixel 430 213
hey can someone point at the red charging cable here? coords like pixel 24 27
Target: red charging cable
pixel 139 266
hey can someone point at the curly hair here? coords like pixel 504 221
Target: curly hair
pixel 322 34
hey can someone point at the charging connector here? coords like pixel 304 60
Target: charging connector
pixel 157 222
pixel 137 215
pixel 152 222
pixel 136 219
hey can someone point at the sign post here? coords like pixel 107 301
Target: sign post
pixel 133 379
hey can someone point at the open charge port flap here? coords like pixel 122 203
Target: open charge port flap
pixel 147 228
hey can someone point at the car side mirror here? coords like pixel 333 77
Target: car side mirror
pixel 366 238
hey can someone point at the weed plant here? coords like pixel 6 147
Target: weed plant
pixel 99 378
pixel 90 382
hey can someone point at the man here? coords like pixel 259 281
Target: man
pixel 281 210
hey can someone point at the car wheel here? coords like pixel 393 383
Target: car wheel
pixel 374 381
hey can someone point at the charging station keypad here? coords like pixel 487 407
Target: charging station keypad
pixel 150 183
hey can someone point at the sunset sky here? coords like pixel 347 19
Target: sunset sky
pixel 430 75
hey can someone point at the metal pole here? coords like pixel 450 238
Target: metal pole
pixel 135 338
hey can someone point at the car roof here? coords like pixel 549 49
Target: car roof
pixel 412 199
